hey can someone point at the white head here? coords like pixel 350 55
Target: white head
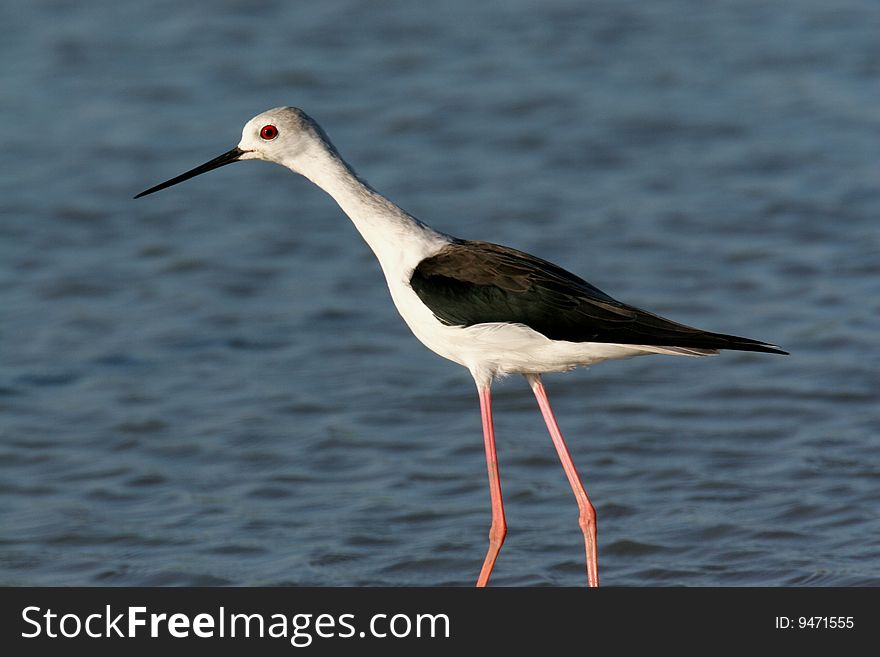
pixel 284 135
pixel 281 135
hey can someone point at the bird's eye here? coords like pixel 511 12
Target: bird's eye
pixel 268 132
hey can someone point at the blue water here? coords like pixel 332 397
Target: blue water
pixel 211 385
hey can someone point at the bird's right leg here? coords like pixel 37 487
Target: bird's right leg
pixel 587 517
pixel 499 527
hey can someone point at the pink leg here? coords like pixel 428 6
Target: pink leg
pixel 587 518
pixel 499 526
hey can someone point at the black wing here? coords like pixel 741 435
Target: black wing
pixel 470 282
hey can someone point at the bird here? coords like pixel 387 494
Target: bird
pixel 490 308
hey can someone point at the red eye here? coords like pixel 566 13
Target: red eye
pixel 268 132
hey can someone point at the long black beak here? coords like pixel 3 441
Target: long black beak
pixel 227 158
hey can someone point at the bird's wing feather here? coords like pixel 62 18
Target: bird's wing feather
pixel 470 282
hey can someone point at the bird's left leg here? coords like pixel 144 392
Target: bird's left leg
pixel 499 526
pixel 587 518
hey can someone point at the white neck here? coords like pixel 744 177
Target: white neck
pixel 398 239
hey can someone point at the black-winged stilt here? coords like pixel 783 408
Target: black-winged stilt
pixel 490 308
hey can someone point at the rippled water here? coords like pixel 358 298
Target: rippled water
pixel 211 385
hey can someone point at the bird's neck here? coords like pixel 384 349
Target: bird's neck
pixel 398 239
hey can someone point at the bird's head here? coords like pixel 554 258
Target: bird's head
pixel 284 135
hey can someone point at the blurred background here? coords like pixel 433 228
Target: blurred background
pixel 211 386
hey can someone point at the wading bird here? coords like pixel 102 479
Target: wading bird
pixel 490 308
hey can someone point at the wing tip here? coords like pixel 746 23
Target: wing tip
pixel 760 347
